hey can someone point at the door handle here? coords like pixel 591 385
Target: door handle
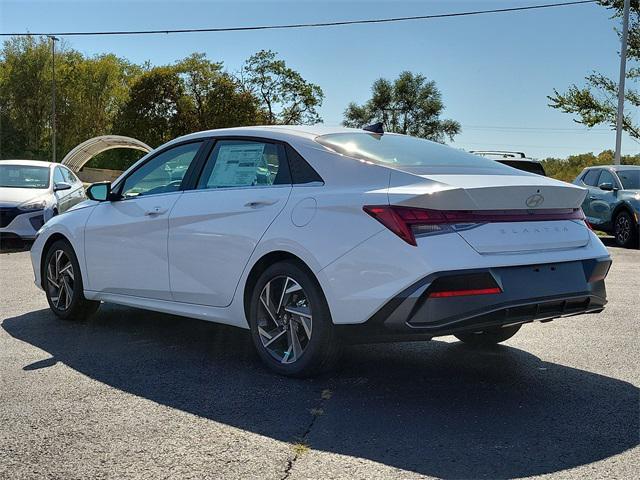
pixel 155 211
pixel 592 197
pixel 260 203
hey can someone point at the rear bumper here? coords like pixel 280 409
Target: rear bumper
pixel 538 292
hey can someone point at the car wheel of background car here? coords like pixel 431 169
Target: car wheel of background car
pixel 488 337
pixel 625 230
pixel 290 322
pixel 63 284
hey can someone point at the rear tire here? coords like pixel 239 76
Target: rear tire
pixel 625 230
pixel 290 322
pixel 63 285
pixel 488 337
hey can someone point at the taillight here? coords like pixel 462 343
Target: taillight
pixel 403 221
pixel 407 222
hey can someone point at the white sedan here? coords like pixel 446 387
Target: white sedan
pixel 312 237
pixel 31 192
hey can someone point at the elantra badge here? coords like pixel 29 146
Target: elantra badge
pixel 535 200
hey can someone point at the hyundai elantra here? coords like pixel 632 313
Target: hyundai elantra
pixel 313 237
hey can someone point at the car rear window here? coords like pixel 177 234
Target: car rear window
pixel 402 151
pixel 531 167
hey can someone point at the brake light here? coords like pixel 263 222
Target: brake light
pixel 407 222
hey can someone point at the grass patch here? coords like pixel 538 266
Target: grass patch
pixel 300 449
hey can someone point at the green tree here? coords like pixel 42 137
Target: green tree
pixel 410 104
pixel 25 97
pixel 89 92
pixel 219 100
pixel 158 108
pixel 596 102
pixel 567 169
pixel 284 95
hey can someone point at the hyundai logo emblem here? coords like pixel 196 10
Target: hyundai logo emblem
pixel 535 200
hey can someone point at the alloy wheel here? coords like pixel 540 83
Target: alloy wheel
pixel 623 229
pixel 285 321
pixel 60 280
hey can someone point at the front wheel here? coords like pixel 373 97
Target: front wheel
pixel 625 230
pixel 290 322
pixel 491 336
pixel 63 284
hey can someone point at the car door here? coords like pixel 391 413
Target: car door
pixel 589 180
pixel 602 201
pixel 76 194
pixel 126 239
pixel 214 229
pixel 63 198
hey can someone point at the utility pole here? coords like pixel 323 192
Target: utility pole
pixel 623 71
pixel 53 96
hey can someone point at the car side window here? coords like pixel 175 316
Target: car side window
pixel 591 177
pixel 57 176
pixel 69 177
pixel 163 173
pixel 244 163
pixel 606 177
pixel 301 171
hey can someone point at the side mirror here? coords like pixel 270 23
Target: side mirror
pixel 100 192
pixel 606 186
pixel 58 187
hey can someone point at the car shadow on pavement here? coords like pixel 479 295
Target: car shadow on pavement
pixel 14 246
pixel 436 408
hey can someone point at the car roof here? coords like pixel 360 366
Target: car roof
pixel 31 163
pixel 277 132
pixel 615 167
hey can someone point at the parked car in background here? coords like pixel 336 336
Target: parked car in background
pixel 310 236
pixel 513 159
pixel 32 192
pixel 613 202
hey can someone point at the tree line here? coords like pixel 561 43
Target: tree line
pixel 107 94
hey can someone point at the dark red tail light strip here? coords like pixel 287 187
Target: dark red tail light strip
pixel 461 293
pixel 402 220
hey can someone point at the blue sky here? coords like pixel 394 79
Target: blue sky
pixel 494 71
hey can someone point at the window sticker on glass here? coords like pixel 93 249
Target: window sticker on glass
pixel 237 165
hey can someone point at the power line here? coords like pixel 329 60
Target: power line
pixel 306 25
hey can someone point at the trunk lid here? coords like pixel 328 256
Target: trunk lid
pixel 518 192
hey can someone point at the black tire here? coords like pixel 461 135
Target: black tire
pixel 625 230
pixel 74 306
pixel 488 337
pixel 322 348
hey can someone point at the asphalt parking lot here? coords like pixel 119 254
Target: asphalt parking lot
pixel 134 394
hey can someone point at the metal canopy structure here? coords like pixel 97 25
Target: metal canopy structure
pixel 84 152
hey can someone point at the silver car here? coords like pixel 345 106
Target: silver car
pixel 31 192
